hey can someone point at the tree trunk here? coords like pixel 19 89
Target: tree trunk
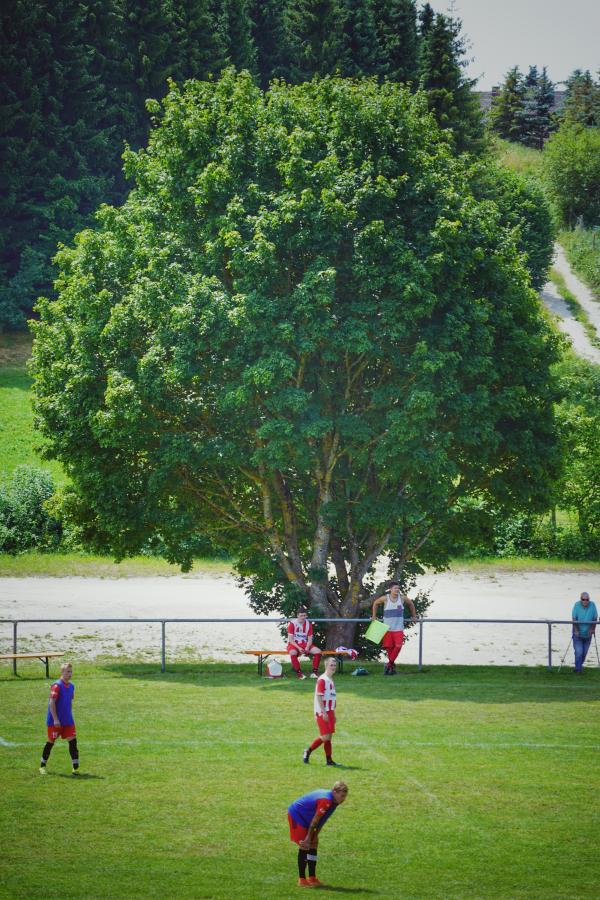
pixel 340 634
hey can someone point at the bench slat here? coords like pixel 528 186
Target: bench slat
pixel 28 655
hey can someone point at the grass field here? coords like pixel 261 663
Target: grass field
pixel 464 783
pixel 521 159
pixel 17 436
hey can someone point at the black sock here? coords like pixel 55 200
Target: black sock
pixel 74 753
pixel 302 862
pixel 46 752
pixel 312 863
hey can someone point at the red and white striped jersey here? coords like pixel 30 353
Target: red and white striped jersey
pixel 298 632
pixel 326 688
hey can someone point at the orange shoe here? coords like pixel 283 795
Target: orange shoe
pixel 314 881
pixel 303 882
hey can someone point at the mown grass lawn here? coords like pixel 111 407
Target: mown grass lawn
pixel 464 783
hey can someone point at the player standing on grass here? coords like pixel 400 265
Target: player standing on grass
pixel 59 720
pixel 306 817
pixel 324 707
pixel 300 643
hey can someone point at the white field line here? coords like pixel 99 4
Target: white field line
pixel 210 739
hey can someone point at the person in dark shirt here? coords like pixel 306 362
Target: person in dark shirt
pixel 306 817
pixel 59 719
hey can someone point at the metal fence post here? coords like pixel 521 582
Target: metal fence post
pixel 163 655
pixel 420 645
pixel 549 646
pixel 15 646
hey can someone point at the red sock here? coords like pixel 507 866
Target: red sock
pixel 327 749
pixel 295 663
pixel 316 743
pixel 393 655
pixel 315 661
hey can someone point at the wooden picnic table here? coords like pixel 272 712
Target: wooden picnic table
pixel 43 655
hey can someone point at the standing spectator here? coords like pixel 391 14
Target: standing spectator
pixel 300 643
pixel 393 616
pixel 306 817
pixel 324 707
pixel 585 616
pixel 59 720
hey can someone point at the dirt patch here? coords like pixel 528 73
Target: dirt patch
pixel 15 348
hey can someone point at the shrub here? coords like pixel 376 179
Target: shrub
pixel 25 521
pixel 571 167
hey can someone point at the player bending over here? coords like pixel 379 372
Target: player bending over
pixel 324 707
pixel 306 817
pixel 300 643
pixel 60 718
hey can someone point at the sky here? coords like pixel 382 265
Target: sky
pixel 560 34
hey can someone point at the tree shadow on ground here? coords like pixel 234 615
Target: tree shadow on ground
pixel 460 684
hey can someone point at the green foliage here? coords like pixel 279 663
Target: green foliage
pixel 535 120
pixel 582 100
pixel 25 522
pixel 303 336
pixel 520 159
pixel 572 174
pixel 525 208
pixel 450 93
pixel 396 24
pixel 583 250
pixel 507 106
pixel 314 36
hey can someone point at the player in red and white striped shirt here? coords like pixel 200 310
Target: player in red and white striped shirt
pixel 324 712
pixel 300 643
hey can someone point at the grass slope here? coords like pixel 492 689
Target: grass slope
pixel 17 436
pixel 473 783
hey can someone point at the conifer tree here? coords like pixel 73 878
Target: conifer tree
pixel 582 100
pixel 268 36
pixel 314 38
pixel 57 148
pixel 396 23
pixel 363 53
pixel 234 32
pixel 507 106
pixel 535 119
pixel 449 93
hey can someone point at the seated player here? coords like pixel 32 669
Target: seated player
pixel 306 817
pixel 324 706
pixel 300 643
pixel 59 719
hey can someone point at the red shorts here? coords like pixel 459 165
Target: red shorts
pixel 326 726
pixel 393 639
pixel 66 732
pixel 297 832
pixel 303 652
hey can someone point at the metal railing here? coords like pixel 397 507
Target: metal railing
pixel 548 623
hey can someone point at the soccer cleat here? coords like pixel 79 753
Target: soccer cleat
pixel 43 770
pixel 75 771
pixel 313 881
pixel 306 756
pixel 386 670
pixel 330 762
pixel 303 882
pixel 314 675
pixel 301 676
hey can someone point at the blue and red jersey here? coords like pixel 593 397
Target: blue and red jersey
pixel 62 694
pixel 305 808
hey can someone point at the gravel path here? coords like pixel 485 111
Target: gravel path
pixel 567 323
pixel 528 595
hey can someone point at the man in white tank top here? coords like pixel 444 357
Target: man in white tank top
pixel 393 602
pixel 324 706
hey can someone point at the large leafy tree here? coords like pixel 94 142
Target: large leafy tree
pixel 302 335
pixel 571 166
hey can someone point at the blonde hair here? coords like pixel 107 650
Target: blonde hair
pixel 340 786
pixel 66 665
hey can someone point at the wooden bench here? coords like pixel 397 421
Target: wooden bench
pixel 43 656
pixel 264 654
